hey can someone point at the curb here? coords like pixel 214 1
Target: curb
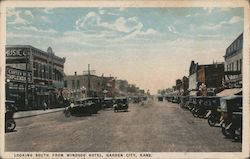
pixel 32 115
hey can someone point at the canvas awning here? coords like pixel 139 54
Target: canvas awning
pixel 229 92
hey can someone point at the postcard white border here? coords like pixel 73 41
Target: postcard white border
pixel 137 3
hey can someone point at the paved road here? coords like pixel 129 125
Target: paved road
pixel 154 127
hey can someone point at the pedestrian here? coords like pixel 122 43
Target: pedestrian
pixel 45 106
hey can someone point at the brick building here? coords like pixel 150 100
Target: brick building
pixel 211 75
pixel 81 86
pixel 33 76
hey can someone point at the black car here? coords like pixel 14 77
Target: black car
pixel 108 103
pixel 120 104
pixel 83 106
pixel 231 111
pixel 10 109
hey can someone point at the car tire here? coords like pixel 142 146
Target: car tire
pixel 211 121
pixel 10 125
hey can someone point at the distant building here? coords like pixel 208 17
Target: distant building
pixel 81 86
pixel 33 76
pixel 233 64
pixel 211 75
pixel 184 86
pixel 121 87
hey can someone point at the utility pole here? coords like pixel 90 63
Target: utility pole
pixel 26 83
pixel 88 92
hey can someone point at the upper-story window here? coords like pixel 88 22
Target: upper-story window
pixel 73 84
pixel 237 65
pixel 78 84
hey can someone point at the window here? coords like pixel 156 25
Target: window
pixel 73 84
pixel 65 83
pixel 237 65
pixel 240 64
pixel 232 66
pixel 227 68
pixel 78 84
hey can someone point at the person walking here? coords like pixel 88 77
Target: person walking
pixel 45 106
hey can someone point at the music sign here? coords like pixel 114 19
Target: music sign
pixel 16 52
pixel 17 75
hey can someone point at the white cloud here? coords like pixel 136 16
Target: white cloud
pixel 119 29
pixel 28 13
pixel 171 28
pixel 45 19
pixel 233 20
pixel 17 17
pixel 34 29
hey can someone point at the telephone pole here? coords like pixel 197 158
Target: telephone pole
pixel 88 91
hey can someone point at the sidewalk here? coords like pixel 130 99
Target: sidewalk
pixel 26 114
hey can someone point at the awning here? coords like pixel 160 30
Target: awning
pixel 229 92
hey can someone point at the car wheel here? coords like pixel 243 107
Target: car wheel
pixel 211 121
pixel 10 125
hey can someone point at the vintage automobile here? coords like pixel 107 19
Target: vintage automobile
pixel 184 101
pixel 120 104
pixel 136 99
pixel 10 109
pixel 160 98
pixel 83 106
pixel 108 103
pixel 176 99
pixel 231 111
pixel 199 109
pixel 212 104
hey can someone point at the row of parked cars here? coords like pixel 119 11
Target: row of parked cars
pixel 94 104
pixel 225 112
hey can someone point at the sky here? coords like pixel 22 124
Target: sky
pixel 149 47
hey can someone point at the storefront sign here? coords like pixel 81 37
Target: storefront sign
pixel 15 52
pixel 17 75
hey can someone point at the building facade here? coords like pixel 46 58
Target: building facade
pixel 81 86
pixel 233 64
pixel 33 76
pixel 211 75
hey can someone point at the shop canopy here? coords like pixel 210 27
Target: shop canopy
pixel 229 92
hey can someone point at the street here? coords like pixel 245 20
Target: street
pixel 152 127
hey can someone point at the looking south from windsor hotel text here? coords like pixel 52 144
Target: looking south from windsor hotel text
pixel 124 79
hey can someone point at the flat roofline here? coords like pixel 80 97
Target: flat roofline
pixel 32 47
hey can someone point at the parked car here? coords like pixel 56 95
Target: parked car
pixel 83 106
pixel 120 104
pixel 231 111
pixel 10 109
pixel 184 101
pixel 108 103
pixel 213 103
pixel 160 98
